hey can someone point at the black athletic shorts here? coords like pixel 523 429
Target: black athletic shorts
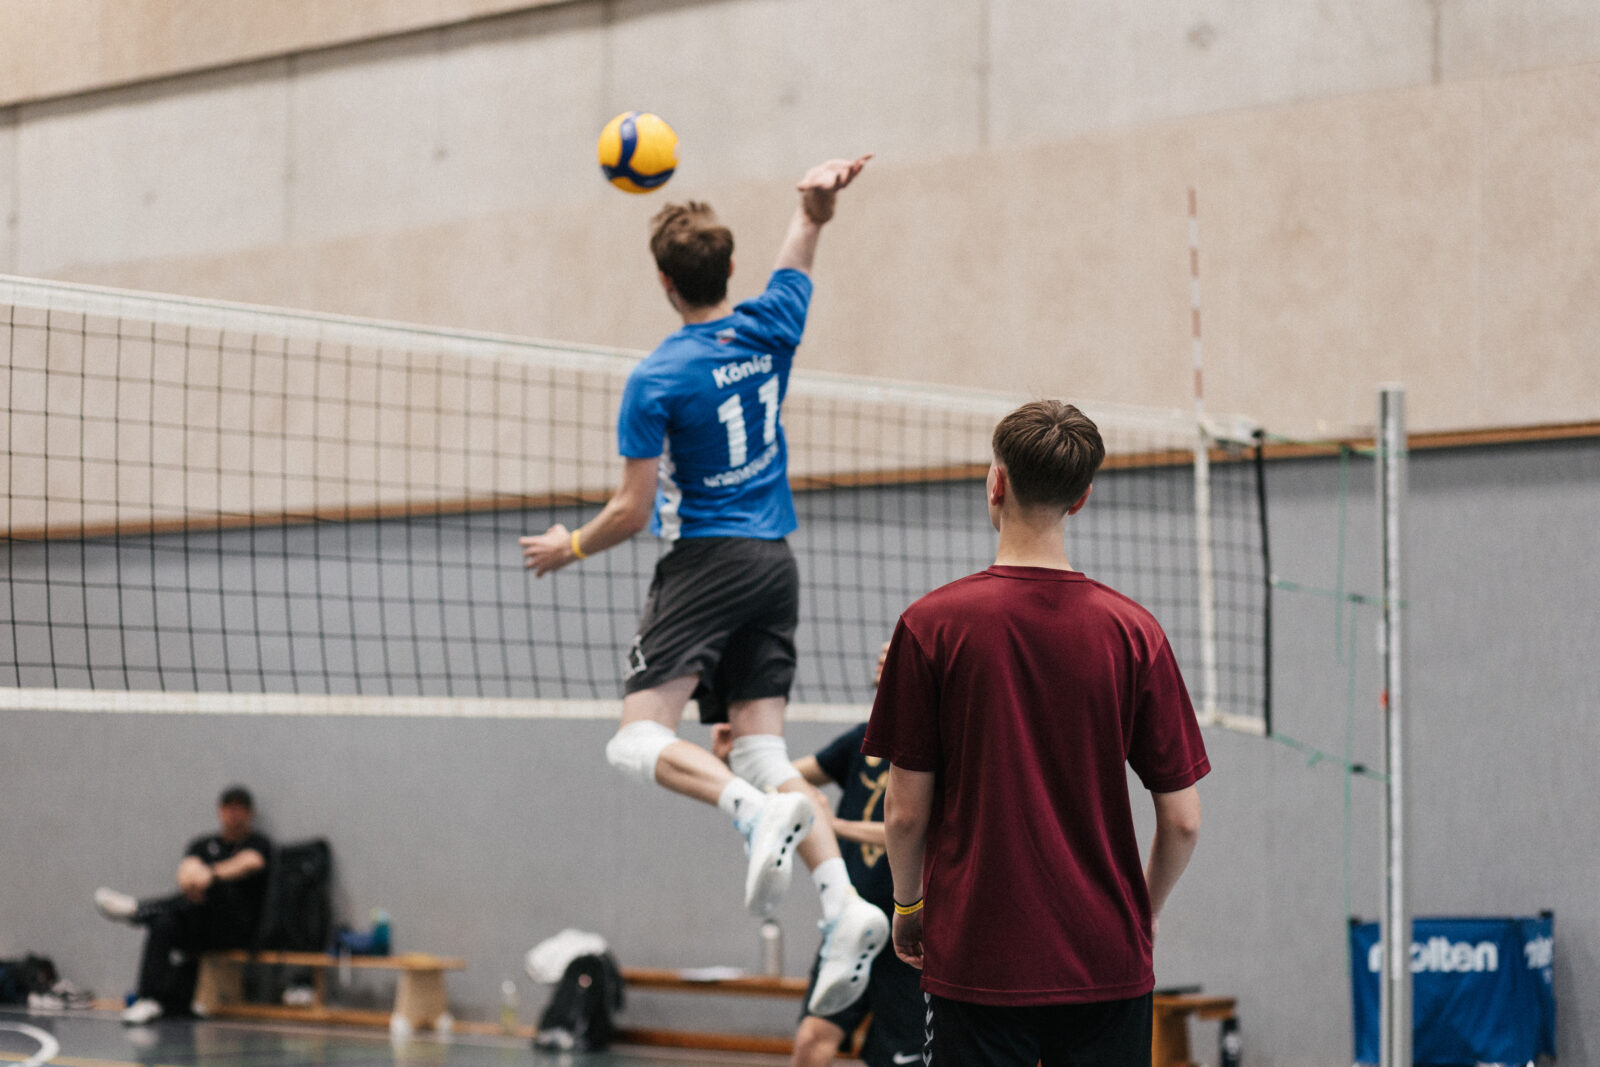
pixel 894 997
pixel 723 608
pixel 1111 1033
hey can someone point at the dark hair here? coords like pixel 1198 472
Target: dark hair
pixel 693 249
pixel 237 794
pixel 1050 452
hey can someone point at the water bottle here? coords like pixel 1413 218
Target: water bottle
pixel 771 948
pixel 1229 1044
pixel 380 932
pixel 508 1007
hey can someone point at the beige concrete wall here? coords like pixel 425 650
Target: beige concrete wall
pixel 51 48
pixel 8 191
pixel 1383 194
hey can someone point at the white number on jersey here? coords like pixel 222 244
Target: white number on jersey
pixel 731 414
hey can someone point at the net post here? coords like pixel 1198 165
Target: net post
pixel 1396 1000
pixel 1205 560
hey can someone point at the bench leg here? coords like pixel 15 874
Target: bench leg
pixel 419 998
pixel 220 982
pixel 1170 1041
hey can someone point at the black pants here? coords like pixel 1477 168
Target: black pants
pixel 1112 1033
pixel 177 930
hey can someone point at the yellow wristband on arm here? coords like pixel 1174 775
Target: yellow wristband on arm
pixel 908 909
pixel 576 551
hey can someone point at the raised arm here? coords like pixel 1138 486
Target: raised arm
pixel 1177 832
pixel 625 514
pixel 818 191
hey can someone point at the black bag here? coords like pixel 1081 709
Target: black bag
pixel 31 974
pixel 297 914
pixel 579 1013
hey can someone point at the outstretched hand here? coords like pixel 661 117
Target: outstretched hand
pixel 821 185
pixel 546 552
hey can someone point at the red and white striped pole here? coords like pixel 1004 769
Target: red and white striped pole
pixel 1210 682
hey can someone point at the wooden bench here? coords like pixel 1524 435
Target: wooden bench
pixel 419 1000
pixel 750 985
pixel 1170 1040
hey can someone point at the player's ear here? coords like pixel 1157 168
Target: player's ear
pixel 997 485
pixel 730 266
pixel 1082 500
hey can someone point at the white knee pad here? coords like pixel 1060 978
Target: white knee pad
pixel 762 760
pixel 634 749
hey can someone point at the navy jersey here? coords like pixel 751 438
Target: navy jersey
pixel 707 402
pixel 863 779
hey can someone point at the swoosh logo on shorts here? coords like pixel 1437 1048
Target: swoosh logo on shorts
pixel 908 1057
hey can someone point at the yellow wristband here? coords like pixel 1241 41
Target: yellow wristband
pixel 908 909
pixel 576 551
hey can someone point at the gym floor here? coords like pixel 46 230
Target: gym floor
pixel 98 1039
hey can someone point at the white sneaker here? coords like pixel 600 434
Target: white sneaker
pixel 772 837
pixel 849 945
pixel 116 906
pixel 142 1011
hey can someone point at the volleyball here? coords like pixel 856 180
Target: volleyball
pixel 638 152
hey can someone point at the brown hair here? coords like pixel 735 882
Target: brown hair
pixel 693 249
pixel 1050 452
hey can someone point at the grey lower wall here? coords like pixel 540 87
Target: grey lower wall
pixel 482 837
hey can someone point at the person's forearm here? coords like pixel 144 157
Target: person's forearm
pixel 865 833
pixel 907 811
pixel 799 248
pixel 617 522
pixel 1170 850
pixel 243 865
pixel 190 868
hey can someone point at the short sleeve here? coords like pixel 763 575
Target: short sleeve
pixel 780 311
pixel 1167 751
pixel 197 848
pixel 642 418
pixel 904 727
pixel 838 755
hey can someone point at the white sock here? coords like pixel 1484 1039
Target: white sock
pixel 740 800
pixel 833 886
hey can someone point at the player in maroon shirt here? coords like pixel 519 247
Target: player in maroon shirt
pixel 1011 704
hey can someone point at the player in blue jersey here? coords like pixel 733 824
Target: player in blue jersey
pixel 705 464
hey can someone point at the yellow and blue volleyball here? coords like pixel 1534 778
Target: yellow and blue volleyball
pixel 638 152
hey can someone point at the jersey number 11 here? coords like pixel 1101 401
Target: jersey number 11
pixel 731 412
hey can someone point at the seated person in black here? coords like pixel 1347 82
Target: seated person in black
pixel 221 885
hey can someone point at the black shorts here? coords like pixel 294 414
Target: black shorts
pixel 725 609
pixel 894 997
pixel 1111 1033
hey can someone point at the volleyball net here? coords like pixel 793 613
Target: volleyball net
pixel 217 507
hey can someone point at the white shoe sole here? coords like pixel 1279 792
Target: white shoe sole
pixel 783 825
pixel 862 933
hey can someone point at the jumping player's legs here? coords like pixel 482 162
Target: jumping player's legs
pixel 760 720
pixel 679 765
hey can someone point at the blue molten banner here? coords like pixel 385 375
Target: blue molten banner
pixel 1481 990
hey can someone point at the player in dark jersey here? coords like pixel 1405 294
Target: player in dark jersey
pixel 706 464
pixel 892 997
pixel 1011 704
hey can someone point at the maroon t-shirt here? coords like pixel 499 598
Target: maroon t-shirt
pixel 1027 691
